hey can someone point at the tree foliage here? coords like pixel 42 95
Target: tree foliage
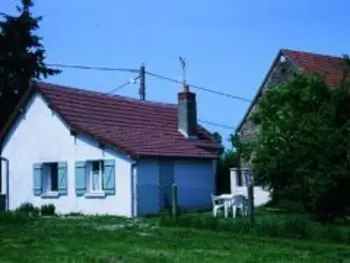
pixel 229 159
pixel 301 152
pixel 217 137
pixel 22 57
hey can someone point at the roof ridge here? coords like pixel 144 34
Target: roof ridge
pixel 103 94
pixel 310 53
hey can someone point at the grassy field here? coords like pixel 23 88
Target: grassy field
pixel 108 239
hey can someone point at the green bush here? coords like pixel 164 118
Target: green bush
pixel 288 206
pixel 78 214
pixel 48 210
pixel 335 234
pixel 28 209
pixel 292 226
pixel 14 218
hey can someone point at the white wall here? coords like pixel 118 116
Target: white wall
pixel 41 136
pixel 195 180
pixel 3 177
pixel 261 196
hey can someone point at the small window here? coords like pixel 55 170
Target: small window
pixel 50 177
pixel 94 176
pixel 239 179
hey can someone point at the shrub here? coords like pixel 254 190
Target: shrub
pixel 290 226
pixel 28 209
pixel 336 234
pixel 78 214
pixel 14 218
pixel 48 210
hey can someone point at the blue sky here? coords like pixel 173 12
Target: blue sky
pixel 229 45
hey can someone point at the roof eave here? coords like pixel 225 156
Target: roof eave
pixel 206 157
pixel 33 89
pixel 23 102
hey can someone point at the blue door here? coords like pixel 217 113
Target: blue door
pixel 166 179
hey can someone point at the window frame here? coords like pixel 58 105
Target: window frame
pixel 47 176
pixel 89 177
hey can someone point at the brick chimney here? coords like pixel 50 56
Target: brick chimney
pixel 187 113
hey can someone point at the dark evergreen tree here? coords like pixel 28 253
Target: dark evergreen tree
pixel 22 57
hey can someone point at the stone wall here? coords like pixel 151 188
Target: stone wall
pixel 279 74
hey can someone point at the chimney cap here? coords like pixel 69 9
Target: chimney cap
pixel 186 87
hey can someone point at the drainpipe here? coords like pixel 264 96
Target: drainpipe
pixel 7 179
pixel 133 190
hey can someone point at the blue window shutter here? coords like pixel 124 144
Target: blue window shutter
pixel 62 178
pixel 80 183
pixel 37 171
pixel 109 177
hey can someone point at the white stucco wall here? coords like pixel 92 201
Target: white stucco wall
pixel 195 180
pixel 41 136
pixel 3 177
pixel 261 196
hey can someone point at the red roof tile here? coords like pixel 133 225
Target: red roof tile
pixel 317 63
pixel 330 66
pixel 139 128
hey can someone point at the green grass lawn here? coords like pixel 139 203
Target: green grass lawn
pixel 103 239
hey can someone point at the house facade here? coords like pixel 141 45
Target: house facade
pixel 286 64
pixel 95 153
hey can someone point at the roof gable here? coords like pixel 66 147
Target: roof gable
pixel 329 66
pixel 138 128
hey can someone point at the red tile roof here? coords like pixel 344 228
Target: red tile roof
pixel 139 128
pixel 330 66
pixel 317 63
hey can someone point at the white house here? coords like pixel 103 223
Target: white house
pixel 95 153
pixel 239 186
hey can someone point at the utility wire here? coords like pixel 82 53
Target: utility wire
pixel 92 68
pixel 132 81
pixel 156 76
pixel 198 87
pixel 217 124
pixel 150 74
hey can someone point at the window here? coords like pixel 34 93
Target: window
pixel 94 176
pixel 50 177
pixel 239 178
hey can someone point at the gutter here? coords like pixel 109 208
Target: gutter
pixel 7 179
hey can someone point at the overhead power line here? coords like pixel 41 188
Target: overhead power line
pixel 150 74
pixel 198 87
pixel 93 68
pixel 131 81
pixel 217 124
pixel 156 76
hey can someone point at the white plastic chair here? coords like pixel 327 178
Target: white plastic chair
pixel 217 204
pixel 241 202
